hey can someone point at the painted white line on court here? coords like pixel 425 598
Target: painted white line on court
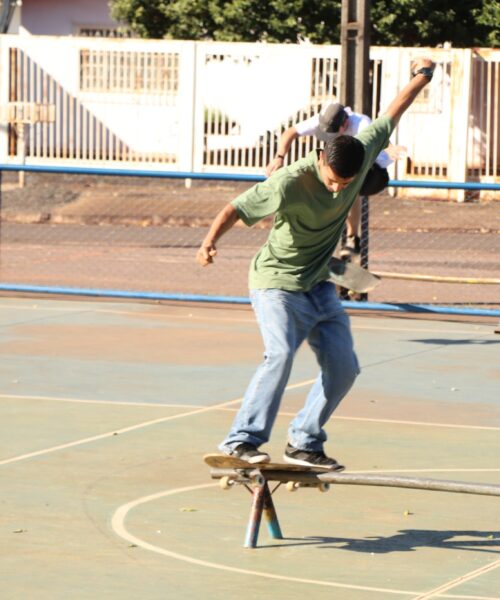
pixel 119 517
pixel 229 409
pixel 108 434
pixel 113 433
pixel 95 401
pixel 401 422
pixel 251 319
pixel 118 526
pixel 138 314
pixel 459 580
pixel 142 425
pixel 36 307
pixel 453 470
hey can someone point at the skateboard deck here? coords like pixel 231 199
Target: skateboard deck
pixel 222 461
pixel 351 276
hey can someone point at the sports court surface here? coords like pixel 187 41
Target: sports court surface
pixel 106 410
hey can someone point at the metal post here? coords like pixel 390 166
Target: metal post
pixel 364 237
pixel 273 525
pixel 355 88
pixel 355 48
pixel 258 496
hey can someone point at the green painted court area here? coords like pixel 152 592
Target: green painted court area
pixel 106 410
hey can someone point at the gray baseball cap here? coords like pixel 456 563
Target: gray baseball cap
pixel 331 117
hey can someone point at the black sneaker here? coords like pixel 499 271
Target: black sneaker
pixel 310 458
pixel 351 247
pixel 250 453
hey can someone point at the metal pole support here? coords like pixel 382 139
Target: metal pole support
pixel 261 502
pixel 273 525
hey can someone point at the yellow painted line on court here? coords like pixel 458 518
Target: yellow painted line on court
pixel 118 526
pixel 458 581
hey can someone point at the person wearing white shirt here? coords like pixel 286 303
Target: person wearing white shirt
pixel 334 120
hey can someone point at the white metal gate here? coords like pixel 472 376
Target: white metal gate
pixel 116 101
pixel 208 106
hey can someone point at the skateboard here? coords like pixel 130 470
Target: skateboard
pixel 351 276
pixel 243 472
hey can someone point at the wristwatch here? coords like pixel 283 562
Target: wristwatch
pixel 425 71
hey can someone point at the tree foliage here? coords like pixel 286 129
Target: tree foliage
pixel 281 21
pixel 464 23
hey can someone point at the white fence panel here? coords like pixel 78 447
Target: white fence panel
pixel 250 93
pixel 484 118
pixel 117 101
pixel 209 106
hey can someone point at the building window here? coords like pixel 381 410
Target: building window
pixel 103 32
pixel 129 72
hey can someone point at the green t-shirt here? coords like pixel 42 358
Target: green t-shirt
pixel 308 219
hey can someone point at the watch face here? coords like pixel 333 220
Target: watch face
pixel 425 71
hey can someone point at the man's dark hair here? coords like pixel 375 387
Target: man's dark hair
pixel 344 155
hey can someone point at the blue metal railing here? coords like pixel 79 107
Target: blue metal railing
pixel 140 295
pixel 104 171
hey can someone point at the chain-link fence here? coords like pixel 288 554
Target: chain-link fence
pixel 141 234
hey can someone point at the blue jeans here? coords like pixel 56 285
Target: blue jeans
pixel 286 319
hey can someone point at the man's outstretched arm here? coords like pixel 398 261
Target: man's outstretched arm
pixel 408 94
pixel 224 220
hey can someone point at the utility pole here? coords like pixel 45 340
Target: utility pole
pixel 355 61
pixel 355 90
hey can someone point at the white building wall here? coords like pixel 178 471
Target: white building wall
pixel 53 17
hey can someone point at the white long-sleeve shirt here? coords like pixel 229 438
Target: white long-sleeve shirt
pixel 356 123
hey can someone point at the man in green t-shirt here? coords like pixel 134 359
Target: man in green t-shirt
pixel 289 288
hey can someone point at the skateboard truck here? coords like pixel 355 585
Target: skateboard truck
pixel 254 478
pixel 293 486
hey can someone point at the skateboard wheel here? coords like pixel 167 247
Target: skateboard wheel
pixel 225 482
pixel 291 486
pixel 259 480
pixel 323 487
